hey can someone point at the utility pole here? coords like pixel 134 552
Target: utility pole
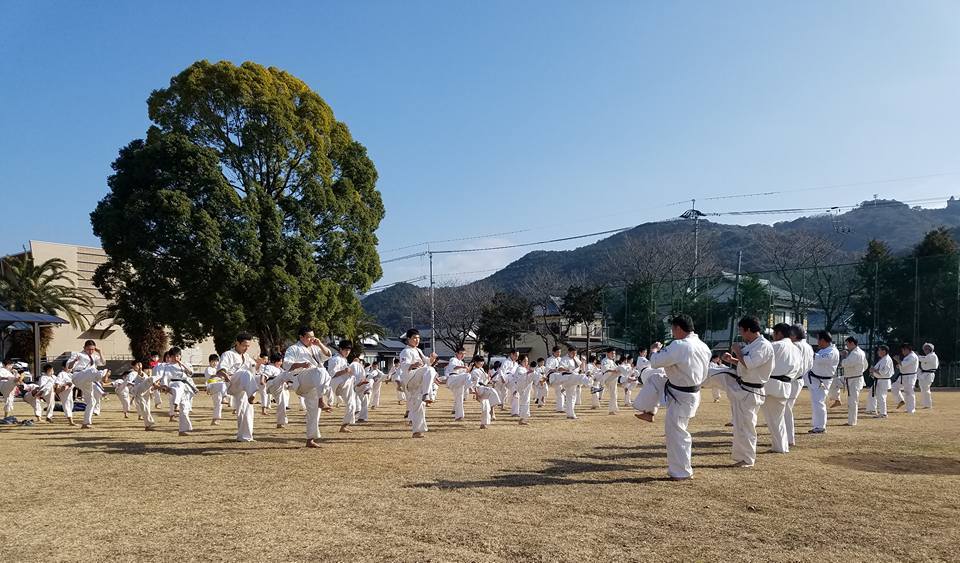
pixel 736 294
pixel 433 331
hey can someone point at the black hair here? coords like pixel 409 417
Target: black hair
pixel 571 349
pixel 540 360
pixel 89 343
pixel 263 354
pixel 411 333
pixel 212 357
pixel 825 336
pixel 244 337
pixel 906 345
pixel 275 357
pixel 175 351
pixel 783 329
pixel 715 354
pixel 396 361
pixel 610 349
pixel 521 358
pixel 303 331
pixel 514 351
pixel 796 331
pixel 461 349
pixel 555 349
pixel 477 358
pixel 497 364
pixel 884 347
pixel 683 321
pixel 852 339
pixel 46 367
pixel 345 345
pixel 749 324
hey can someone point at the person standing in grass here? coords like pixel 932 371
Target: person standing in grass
pixel 821 373
pixel 882 373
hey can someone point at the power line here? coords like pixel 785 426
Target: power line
pixel 414 245
pixel 507 246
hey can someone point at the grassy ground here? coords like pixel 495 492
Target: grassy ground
pixel 556 490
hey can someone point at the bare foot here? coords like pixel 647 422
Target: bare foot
pixel 458 419
pixel 312 444
pixel 524 422
pixel 215 422
pixel 183 433
pixel 84 427
pixel 483 427
pixel 418 434
pixel 71 422
pixel 345 429
pixel 647 416
pixel 281 426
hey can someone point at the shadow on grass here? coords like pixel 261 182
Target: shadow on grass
pixel 897 464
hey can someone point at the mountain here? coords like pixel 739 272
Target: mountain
pixel 896 223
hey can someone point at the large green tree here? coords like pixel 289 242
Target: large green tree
pixel 247 206
pixel 507 316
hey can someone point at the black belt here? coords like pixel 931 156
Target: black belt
pixel 178 381
pixel 873 386
pixel 911 373
pixel 782 378
pixel 670 386
pixel 928 371
pixel 820 377
pixel 747 386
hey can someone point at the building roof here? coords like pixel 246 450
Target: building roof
pixel 20 319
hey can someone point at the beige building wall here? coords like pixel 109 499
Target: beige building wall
pixel 113 343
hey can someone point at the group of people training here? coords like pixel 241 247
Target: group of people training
pixel 755 373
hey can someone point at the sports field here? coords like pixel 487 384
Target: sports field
pixel 593 489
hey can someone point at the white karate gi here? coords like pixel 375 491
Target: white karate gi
pixel 143 399
pixel 46 391
pixel 217 389
pixel 522 383
pixel 277 391
pixel 242 385
pixel 183 389
pixel 362 387
pixel 86 374
pixel 571 379
pixel 8 384
pixel 122 388
pixel 486 396
pixel 419 385
pixel 806 364
pixel 64 381
pixel 882 373
pixel 929 365
pixel 746 396
pixel 552 366
pixel 909 367
pixel 818 379
pixel 610 380
pixel 684 363
pixel 458 380
pixel 787 361
pixel 342 386
pixel 311 383
pixel 853 367
pixel 501 384
pixel 377 377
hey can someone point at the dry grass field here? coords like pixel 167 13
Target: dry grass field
pixel 586 490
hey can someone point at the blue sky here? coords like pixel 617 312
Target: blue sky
pixel 551 118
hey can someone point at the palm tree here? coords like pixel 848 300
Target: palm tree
pixel 48 287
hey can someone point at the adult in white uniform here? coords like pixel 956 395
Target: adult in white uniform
pixel 799 338
pixel 377 377
pixel 571 379
pixel 882 372
pixel 610 379
pixel 929 364
pixel 522 382
pixel 47 390
pixel 685 362
pixel 787 361
pixel 821 373
pixel 63 387
pixel 853 364
pixel 122 388
pixel 418 378
pixel 303 364
pixel 553 371
pixel 502 378
pixel 86 372
pixel 145 383
pixel 754 361
pixel 457 376
pixel 909 367
pixel 341 380
pixel 181 386
pixel 362 387
pixel 485 394
pixel 8 385
pixel 239 370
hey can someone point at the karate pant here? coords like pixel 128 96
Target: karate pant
pixel 926 382
pixel 907 394
pixel 745 406
pixel 242 386
pixel 157 398
pixel 375 394
pixel 34 403
pixel 457 382
pixel 419 386
pixel 595 397
pixel 681 407
pixel 7 389
pixel 86 381
pixel 501 387
pixel 488 398
pixel 879 394
pixel 217 392
pixel 282 396
pixel 143 403
pixel 774 412
pixel 651 393
pixel 401 394
pixel 871 407
pixel 343 389
pixel 716 394
pixel 66 400
pixel 97 394
pixel 186 405
pixel 178 393
pixel 124 396
pixel 611 385
pixel 628 393
pixel 558 396
pixel 854 385
pixel 361 400
pixel 788 421
pixel 836 384
pixel 571 385
pixel 539 393
pixel 263 396
pixel 818 400
pixel 310 384
pixel 511 388
pixel 523 400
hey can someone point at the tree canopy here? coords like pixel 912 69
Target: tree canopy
pixel 247 206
